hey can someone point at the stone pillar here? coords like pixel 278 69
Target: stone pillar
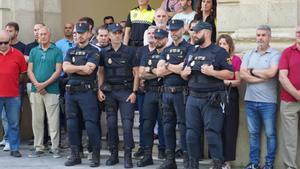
pixel 28 12
pixel 240 19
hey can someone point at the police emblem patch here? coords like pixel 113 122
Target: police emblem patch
pixel 168 57
pixel 149 62
pixel 109 61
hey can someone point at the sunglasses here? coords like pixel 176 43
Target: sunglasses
pixel 5 43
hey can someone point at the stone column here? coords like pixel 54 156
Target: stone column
pixel 240 19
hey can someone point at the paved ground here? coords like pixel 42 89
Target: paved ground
pixel 47 162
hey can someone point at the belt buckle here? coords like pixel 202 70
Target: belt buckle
pixel 173 89
pixel 68 87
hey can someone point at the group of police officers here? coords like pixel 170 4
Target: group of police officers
pixel 183 86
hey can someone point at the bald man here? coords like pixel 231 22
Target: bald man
pixel 12 65
pixel 44 68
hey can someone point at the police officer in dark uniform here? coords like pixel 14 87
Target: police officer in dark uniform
pixel 118 87
pixel 169 67
pixel 152 100
pixel 81 64
pixel 205 69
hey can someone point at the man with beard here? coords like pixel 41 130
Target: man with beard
pixel 259 69
pixel 81 64
pixel 143 54
pixel 169 67
pixel 152 100
pixel 205 69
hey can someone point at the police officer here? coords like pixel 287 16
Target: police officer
pixel 118 87
pixel 81 63
pixel 206 68
pixel 169 67
pixel 152 100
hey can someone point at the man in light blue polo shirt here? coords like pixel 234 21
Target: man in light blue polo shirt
pixel 259 69
pixel 67 42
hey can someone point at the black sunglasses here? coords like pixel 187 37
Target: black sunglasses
pixel 5 43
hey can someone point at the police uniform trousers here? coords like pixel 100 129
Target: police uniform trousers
pixel 173 114
pixel 84 102
pixel 152 113
pixel 231 124
pixel 115 100
pixel 201 113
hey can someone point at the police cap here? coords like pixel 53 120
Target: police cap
pixel 114 27
pixel 82 27
pixel 160 33
pixel 202 25
pixel 176 24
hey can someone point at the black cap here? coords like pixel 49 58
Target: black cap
pixel 114 27
pixel 202 25
pixel 82 27
pixel 176 24
pixel 160 33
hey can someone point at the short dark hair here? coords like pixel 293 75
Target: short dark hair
pixel 88 20
pixel 109 17
pixel 13 24
pixel 102 27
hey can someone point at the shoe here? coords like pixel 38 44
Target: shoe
pixel 147 159
pixel 113 158
pixel 178 153
pixel 2 143
pixel 169 163
pixel 95 161
pixel 139 153
pixel 127 158
pixel 56 154
pixel 226 165
pixel 268 166
pixel 161 154
pixel 89 156
pixel 252 166
pixel 15 154
pixel 35 154
pixel 217 164
pixel 6 147
pixel 74 158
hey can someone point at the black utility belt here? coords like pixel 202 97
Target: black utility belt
pixel 174 89
pixel 153 88
pixel 201 94
pixel 80 88
pixel 109 88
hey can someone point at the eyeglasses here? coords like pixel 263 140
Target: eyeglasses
pixel 5 43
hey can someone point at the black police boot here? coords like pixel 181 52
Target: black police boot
pixel 161 154
pixel 185 160
pixel 128 158
pixel 114 157
pixel 74 158
pixel 217 164
pixel 139 153
pixel 169 163
pixel 193 164
pixel 147 159
pixel 95 162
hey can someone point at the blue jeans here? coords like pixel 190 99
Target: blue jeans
pixel 12 105
pixel 259 113
pixel 4 125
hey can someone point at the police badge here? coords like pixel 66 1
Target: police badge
pixel 73 59
pixel 192 63
pixel 149 62
pixel 168 57
pixel 109 61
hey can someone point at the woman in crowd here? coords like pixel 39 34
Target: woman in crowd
pixel 207 12
pixel 231 121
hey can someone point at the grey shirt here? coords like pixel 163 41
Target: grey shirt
pixel 264 91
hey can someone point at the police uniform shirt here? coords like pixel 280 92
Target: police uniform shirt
pixel 142 52
pixel 175 55
pixel 150 59
pixel 80 56
pixel 211 55
pixel 139 21
pixel 125 57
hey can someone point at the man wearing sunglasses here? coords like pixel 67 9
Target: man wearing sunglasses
pixel 12 65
